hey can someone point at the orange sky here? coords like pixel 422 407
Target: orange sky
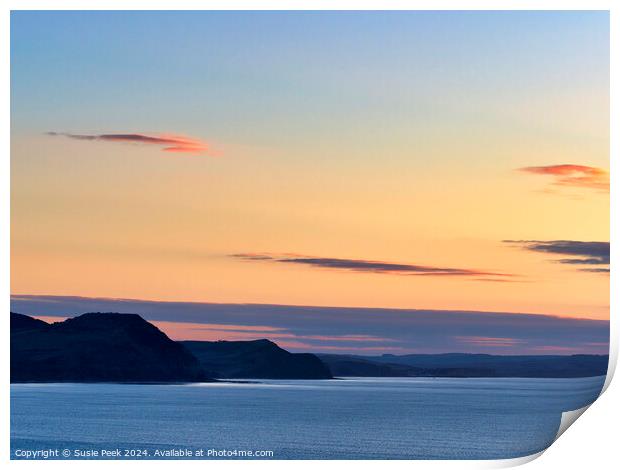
pixel 164 228
pixel 418 161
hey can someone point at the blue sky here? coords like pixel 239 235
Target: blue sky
pixel 266 76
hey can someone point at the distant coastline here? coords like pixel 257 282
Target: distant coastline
pixel 125 348
pixel 346 330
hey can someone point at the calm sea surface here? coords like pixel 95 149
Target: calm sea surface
pixel 378 418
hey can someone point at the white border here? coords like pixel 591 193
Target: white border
pixel 592 443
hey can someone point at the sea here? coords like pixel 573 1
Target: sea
pixel 352 418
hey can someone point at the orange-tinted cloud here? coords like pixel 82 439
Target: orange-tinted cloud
pixel 218 332
pixel 167 142
pixel 371 266
pixel 489 341
pixel 578 176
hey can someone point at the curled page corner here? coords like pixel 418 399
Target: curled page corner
pixel 611 367
pixel 515 462
pixel 566 421
pixel 568 418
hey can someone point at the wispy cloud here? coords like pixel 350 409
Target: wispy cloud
pixel 183 331
pixel 167 142
pixel 580 253
pixel 371 266
pixel 577 176
pixel 489 341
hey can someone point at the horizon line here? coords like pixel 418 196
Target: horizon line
pixel 450 352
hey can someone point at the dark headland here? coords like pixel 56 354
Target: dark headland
pixel 260 359
pixel 113 347
pixel 97 347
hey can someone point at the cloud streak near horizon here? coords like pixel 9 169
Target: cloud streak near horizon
pixel 568 175
pixel 370 266
pixel 346 330
pixel 580 253
pixel 167 142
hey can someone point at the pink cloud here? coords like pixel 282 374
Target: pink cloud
pixel 489 341
pixel 167 142
pixel 217 332
pixel 578 176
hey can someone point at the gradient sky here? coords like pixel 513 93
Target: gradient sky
pixel 409 160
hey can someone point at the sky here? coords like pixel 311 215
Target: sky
pixel 418 161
